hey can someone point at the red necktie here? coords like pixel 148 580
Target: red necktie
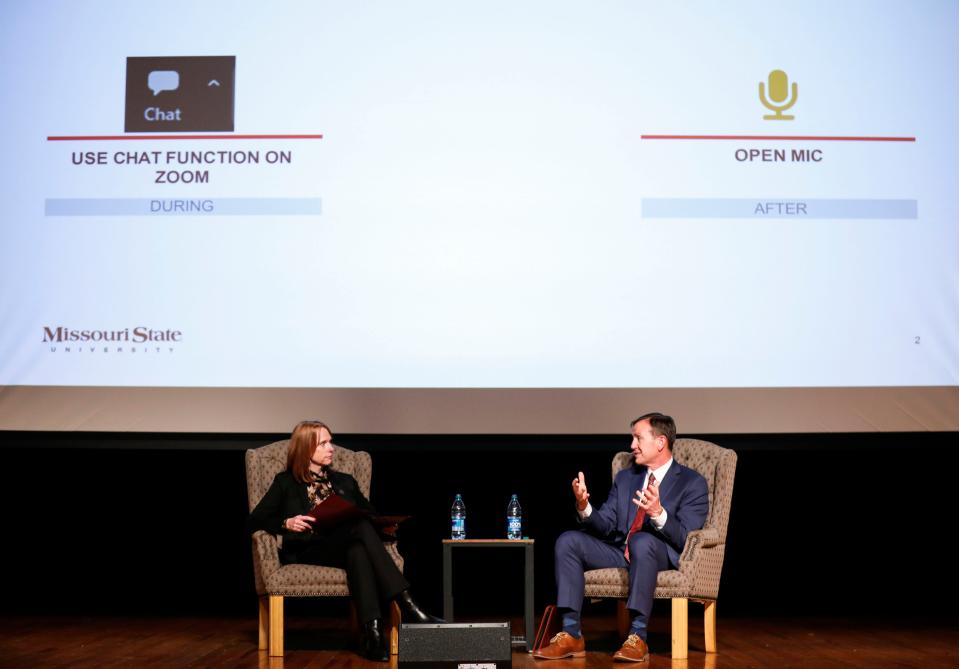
pixel 640 517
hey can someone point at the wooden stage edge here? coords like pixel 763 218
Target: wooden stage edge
pixel 314 642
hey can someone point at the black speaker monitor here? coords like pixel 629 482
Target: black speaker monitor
pixel 452 645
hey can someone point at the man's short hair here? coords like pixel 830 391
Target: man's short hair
pixel 661 424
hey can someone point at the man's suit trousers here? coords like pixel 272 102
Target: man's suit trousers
pixel 577 552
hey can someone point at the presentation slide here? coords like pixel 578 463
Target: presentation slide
pixel 479 195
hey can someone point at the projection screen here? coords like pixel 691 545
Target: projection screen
pixel 479 217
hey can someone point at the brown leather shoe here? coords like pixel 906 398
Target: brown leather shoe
pixel 560 646
pixel 634 650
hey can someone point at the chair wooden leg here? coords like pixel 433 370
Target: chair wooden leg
pixel 709 624
pixel 394 628
pixel 680 628
pixel 264 623
pixel 276 626
pixel 622 618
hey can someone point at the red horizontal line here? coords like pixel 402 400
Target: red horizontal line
pixel 73 138
pixel 792 138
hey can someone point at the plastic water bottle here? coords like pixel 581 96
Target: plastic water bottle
pixel 514 519
pixel 458 516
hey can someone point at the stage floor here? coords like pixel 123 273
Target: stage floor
pixel 744 643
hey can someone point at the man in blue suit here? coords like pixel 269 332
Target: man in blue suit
pixel 641 527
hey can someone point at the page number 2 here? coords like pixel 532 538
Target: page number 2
pixel 916 340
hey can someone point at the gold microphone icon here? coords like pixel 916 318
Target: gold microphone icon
pixel 778 94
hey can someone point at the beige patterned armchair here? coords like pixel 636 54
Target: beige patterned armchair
pixel 701 562
pixel 275 581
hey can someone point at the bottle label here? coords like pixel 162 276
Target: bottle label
pixel 514 527
pixel 459 527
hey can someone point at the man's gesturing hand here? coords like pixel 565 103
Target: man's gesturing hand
pixel 648 500
pixel 580 492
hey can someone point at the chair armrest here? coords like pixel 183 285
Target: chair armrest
pixel 266 555
pixel 708 537
pixel 696 541
pixel 702 562
pixel 394 553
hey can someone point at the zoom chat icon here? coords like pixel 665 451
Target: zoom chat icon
pixel 179 94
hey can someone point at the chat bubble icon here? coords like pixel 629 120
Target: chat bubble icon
pixel 163 80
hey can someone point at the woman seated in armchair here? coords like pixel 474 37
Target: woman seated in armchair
pixel 353 545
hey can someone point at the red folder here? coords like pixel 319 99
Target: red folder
pixel 335 510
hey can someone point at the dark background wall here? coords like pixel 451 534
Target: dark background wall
pixel 134 524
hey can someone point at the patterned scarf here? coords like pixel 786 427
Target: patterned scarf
pixel 319 488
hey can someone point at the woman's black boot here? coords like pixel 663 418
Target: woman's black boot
pixel 411 612
pixel 373 642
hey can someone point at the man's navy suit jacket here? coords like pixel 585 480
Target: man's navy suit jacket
pixel 684 494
